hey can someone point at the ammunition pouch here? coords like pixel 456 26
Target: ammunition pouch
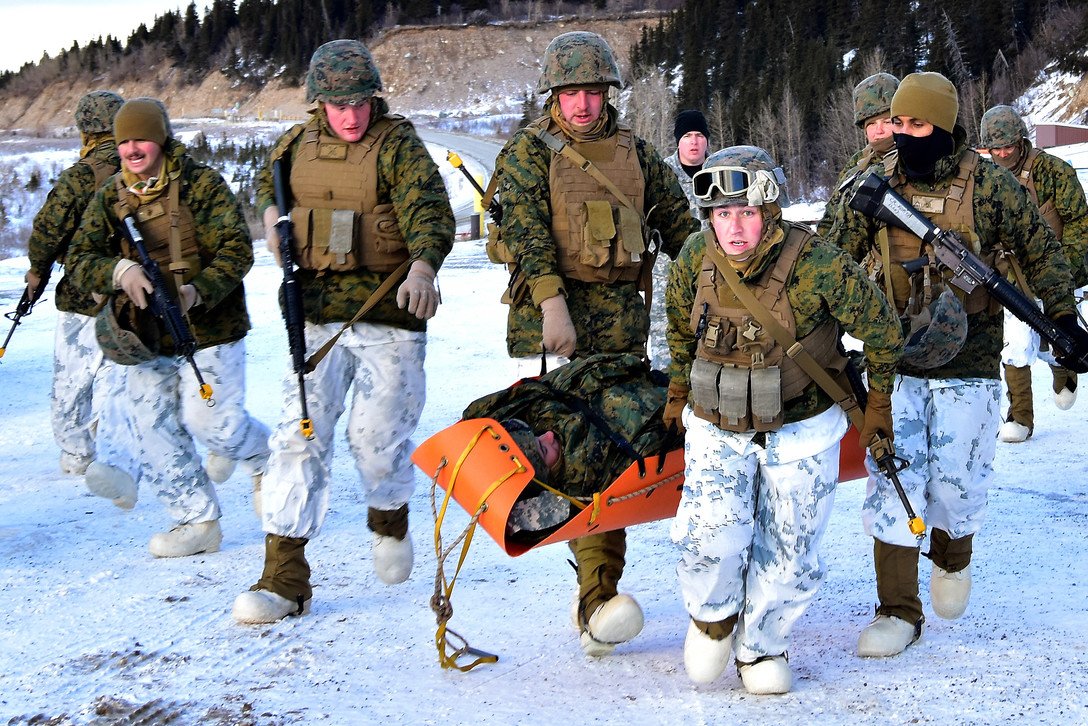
pixel 343 239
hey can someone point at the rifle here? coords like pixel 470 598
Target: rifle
pixel 875 198
pixel 883 452
pixel 164 307
pixel 494 209
pixel 25 307
pixel 294 315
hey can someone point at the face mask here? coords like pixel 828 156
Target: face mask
pixel 1012 160
pixel 883 146
pixel 918 155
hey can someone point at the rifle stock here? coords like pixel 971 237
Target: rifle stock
pixel 294 314
pixel 164 307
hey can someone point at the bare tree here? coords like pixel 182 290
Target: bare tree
pixel 650 106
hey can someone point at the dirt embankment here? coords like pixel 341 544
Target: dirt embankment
pixel 427 70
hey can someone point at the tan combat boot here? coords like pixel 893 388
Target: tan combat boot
pixel 898 622
pixel 950 581
pixel 1020 423
pixel 284 588
pixel 604 617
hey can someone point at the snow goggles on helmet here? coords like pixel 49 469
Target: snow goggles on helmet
pixel 756 188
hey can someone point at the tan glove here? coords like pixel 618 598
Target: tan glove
pixel 559 335
pixel 878 420
pixel 417 293
pixel 675 401
pixel 32 280
pixel 134 283
pixel 271 237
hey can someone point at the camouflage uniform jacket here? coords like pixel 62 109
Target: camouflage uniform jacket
pixel 1004 218
pixel 621 389
pixel 862 160
pixel 56 223
pixel 1055 181
pixel 826 284
pixel 222 236
pixel 685 184
pixel 607 318
pixel 409 180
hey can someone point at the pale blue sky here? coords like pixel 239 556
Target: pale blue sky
pixel 33 27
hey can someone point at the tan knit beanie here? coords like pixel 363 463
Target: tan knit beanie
pixel 140 119
pixel 927 96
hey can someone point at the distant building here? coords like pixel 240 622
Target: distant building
pixel 1048 135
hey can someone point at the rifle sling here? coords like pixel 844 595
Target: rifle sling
pixel 374 299
pixel 793 348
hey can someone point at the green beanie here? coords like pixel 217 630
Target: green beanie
pixel 927 96
pixel 140 119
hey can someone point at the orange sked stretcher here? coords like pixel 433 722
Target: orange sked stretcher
pixel 477 464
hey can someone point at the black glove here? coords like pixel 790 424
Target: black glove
pixel 1077 359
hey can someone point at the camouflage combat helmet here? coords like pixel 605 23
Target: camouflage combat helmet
pixel 1001 126
pixel 95 111
pixel 578 59
pixel 937 335
pixel 342 72
pixel 526 440
pixel 873 96
pixel 126 334
pixel 744 175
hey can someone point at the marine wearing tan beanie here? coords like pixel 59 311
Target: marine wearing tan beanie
pixel 927 96
pixel 140 119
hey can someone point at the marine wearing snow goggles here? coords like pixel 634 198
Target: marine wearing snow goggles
pixel 756 187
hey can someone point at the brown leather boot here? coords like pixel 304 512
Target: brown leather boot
pixel 1020 423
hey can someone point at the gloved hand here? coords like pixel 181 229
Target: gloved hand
pixel 559 335
pixel 878 419
pixel 675 400
pixel 135 284
pixel 188 297
pixel 271 237
pixel 32 279
pixel 417 292
pixel 1075 360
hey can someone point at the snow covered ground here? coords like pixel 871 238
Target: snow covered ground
pixel 96 631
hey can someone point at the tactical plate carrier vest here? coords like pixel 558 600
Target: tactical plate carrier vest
pixel 167 228
pixel 339 224
pixel 741 376
pixel 951 210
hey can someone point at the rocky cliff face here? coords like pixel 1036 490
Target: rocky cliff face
pixel 426 70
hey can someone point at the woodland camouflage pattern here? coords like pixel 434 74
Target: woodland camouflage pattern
pixel 854 169
pixel 1001 126
pixel 607 318
pixel 95 112
pixel 873 96
pixel 578 59
pixel 226 251
pixel 58 220
pixel 1004 217
pixel 621 388
pixel 408 179
pixel 342 71
pixel 825 284
pixel 1055 180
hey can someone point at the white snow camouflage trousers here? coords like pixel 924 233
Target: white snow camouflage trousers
pixel 1022 344
pixel 947 430
pixel 383 367
pixel 81 384
pixel 750 522
pixel 167 412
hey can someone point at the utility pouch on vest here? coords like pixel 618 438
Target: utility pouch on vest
pixel 632 242
pixel 598 230
pixel 325 238
pixel 704 384
pixel 733 396
pixel 720 335
pixel 767 398
pixel 384 249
